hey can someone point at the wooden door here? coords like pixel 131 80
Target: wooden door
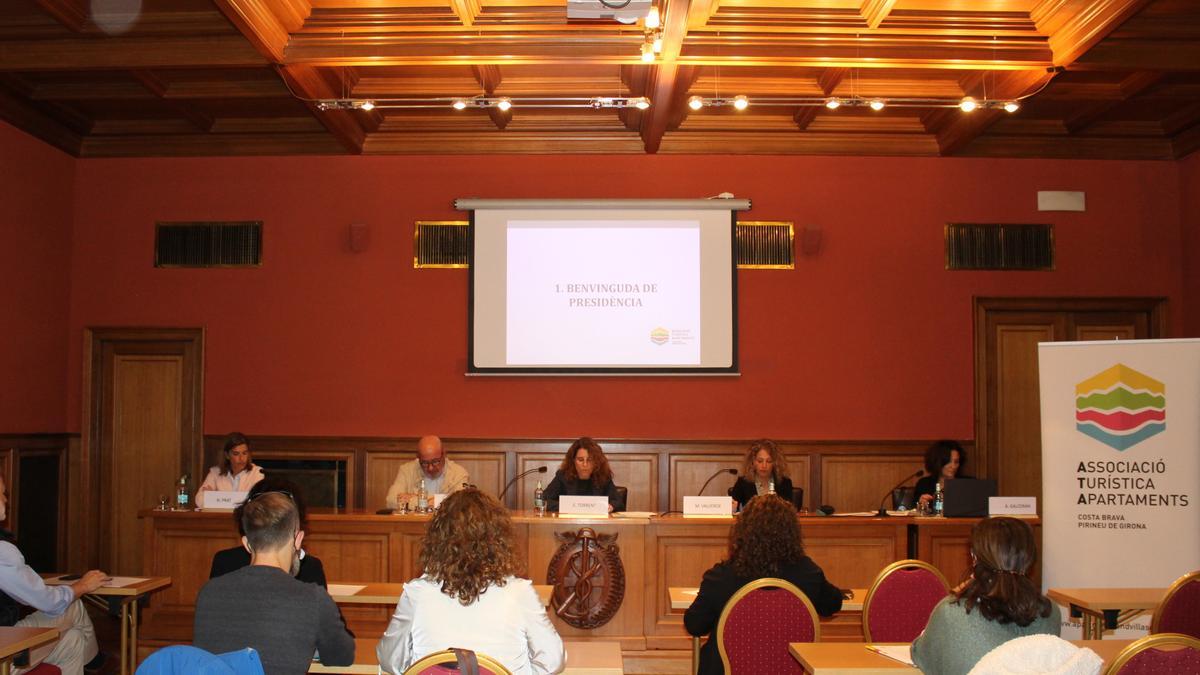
pixel 1008 431
pixel 144 389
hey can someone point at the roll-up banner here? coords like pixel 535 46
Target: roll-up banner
pixel 1120 466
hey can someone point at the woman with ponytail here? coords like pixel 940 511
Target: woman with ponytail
pixel 997 602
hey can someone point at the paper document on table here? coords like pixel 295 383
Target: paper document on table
pixel 901 653
pixel 339 590
pixel 121 582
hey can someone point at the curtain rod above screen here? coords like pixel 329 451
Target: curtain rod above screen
pixel 697 204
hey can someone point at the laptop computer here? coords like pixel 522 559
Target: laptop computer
pixel 967 497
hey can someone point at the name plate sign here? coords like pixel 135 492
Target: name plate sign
pixel 579 505
pixel 223 500
pixel 438 497
pixel 1012 506
pixel 713 507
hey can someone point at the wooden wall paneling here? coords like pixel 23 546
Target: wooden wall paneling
pixel 348 456
pixel 852 556
pixel 688 472
pixel 487 469
pixel 521 493
pixel 381 471
pixel 678 553
pixel 853 483
pixel 181 547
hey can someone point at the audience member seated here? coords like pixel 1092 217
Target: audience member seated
pixel 943 461
pixel 57 606
pixel 997 603
pixel 236 474
pixel 584 471
pixel 471 595
pixel 764 542
pixel 237 557
pixel 764 466
pixel 264 606
pixel 431 467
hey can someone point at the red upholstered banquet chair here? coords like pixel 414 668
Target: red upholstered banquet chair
pixel 1179 611
pixel 1158 654
pixel 900 600
pixel 457 662
pixel 757 624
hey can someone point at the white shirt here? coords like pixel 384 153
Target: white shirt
pixel 239 482
pixel 507 623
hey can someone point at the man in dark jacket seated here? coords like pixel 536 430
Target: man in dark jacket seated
pixel 237 557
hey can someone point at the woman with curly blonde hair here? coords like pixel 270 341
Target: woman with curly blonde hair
pixel 472 595
pixel 763 467
pixel 764 542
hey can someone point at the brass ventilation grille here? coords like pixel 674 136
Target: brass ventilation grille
pixel 765 245
pixel 441 243
pixel 208 244
pixel 974 246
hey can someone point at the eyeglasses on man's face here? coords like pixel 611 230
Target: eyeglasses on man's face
pixel 430 463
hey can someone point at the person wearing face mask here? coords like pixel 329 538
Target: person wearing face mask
pixel 764 465
pixel 236 473
pixel 584 471
pixel 943 461
pixel 264 606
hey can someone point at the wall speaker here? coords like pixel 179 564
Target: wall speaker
pixel 810 240
pixel 360 237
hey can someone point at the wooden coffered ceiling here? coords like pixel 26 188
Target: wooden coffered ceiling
pixel 1104 78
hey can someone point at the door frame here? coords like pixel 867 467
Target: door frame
pixel 92 498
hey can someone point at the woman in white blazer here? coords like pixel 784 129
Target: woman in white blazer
pixel 236 474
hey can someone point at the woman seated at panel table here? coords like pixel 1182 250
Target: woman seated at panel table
pixel 236 473
pixel 585 471
pixel 237 557
pixel 943 461
pixel 997 603
pixel 472 595
pixel 764 466
pixel 763 542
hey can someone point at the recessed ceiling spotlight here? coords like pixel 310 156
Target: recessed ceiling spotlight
pixel 1011 106
pixel 504 103
pixel 968 104
pixel 876 104
pixel 833 103
pixel 740 102
pixel 695 102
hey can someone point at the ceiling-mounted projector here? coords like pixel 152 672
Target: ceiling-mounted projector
pixel 625 11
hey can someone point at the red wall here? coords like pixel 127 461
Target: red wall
pixel 35 237
pixel 1190 192
pixel 869 339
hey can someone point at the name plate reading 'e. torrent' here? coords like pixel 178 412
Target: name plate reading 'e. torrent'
pixel 711 507
pixel 1012 506
pixel 580 505
pixel 223 500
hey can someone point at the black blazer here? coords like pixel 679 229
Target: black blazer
pixel 561 485
pixel 927 485
pixel 230 559
pixel 744 490
pixel 721 582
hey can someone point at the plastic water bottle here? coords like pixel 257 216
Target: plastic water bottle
pixel 181 494
pixel 771 486
pixel 937 500
pixel 422 498
pixel 539 499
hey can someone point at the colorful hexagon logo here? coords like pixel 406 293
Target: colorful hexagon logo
pixel 1120 407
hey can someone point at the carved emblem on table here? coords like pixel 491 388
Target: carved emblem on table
pixel 588 578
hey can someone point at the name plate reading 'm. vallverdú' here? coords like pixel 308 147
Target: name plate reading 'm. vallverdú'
pixel 708 507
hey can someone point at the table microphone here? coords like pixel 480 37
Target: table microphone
pixel 540 469
pixel 882 512
pixel 710 479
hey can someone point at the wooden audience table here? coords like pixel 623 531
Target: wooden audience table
pixel 583 658
pixel 1106 608
pixel 127 597
pixel 14 640
pixel 387 593
pixel 853 658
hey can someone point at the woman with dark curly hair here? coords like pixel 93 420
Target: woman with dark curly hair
pixel 472 594
pixel 584 471
pixel 997 602
pixel 943 461
pixel 764 542
pixel 763 467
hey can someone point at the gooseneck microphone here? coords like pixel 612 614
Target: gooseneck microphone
pixel 710 478
pixel 540 469
pixel 882 512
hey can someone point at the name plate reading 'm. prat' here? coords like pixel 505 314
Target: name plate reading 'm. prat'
pixel 579 505
pixel 223 500
pixel 708 507
pixel 1012 506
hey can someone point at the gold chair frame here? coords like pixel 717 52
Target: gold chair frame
pixel 765 582
pixel 1189 578
pixel 448 656
pixel 1149 642
pixel 884 574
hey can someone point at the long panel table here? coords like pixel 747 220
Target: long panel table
pixel 657 553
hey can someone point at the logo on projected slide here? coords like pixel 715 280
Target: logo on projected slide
pixel 660 335
pixel 1120 407
pixel 588 578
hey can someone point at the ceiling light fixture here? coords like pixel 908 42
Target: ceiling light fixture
pixel 695 102
pixel 504 103
pixel 1011 106
pixel 641 102
pixel 647 52
pixel 877 104
pixel 968 104
pixel 833 103
pixel 484 102
pixel 459 104
pixel 874 103
pixel 366 105
pixel 653 20
pixel 740 102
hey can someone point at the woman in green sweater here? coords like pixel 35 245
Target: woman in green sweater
pixel 997 603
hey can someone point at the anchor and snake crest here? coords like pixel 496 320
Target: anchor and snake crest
pixel 588 578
